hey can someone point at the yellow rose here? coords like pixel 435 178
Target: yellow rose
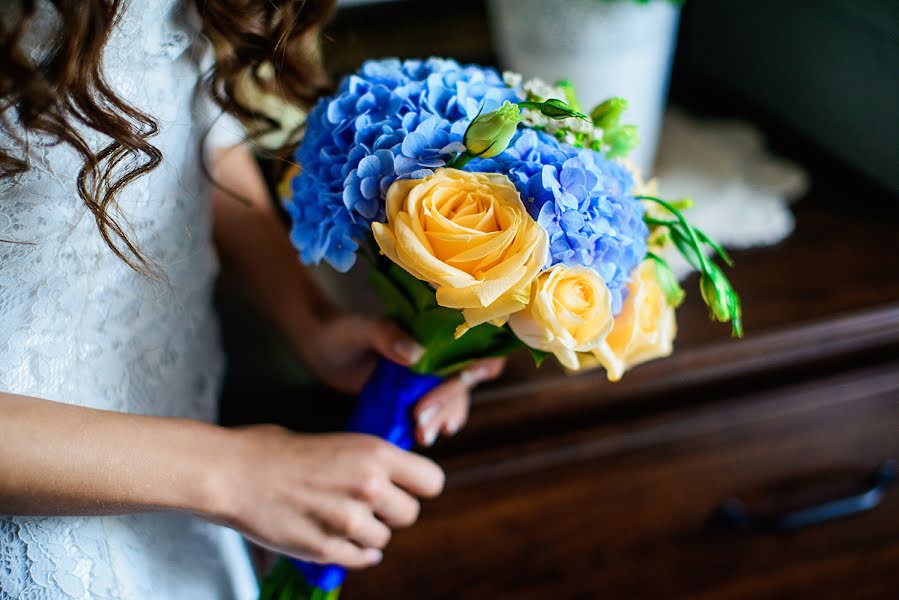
pixel 468 235
pixel 570 311
pixel 644 329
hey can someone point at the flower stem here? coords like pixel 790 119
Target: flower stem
pixel 459 160
pixel 686 226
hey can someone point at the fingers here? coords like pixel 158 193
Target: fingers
pixel 454 415
pixel 391 342
pixel 446 407
pixel 414 473
pixel 448 399
pixel 353 520
pixel 329 498
pixel 397 508
pixel 355 524
pixel 336 550
pixel 318 545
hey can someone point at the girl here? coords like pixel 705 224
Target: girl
pixel 116 480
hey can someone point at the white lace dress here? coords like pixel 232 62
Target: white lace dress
pixel 78 326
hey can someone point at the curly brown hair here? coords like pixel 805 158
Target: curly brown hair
pixel 250 37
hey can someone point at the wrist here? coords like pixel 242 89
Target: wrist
pixel 212 476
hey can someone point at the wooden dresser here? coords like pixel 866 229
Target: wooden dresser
pixel 571 487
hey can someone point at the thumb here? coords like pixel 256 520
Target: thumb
pixel 393 343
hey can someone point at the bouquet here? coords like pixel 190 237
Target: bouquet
pixel 495 215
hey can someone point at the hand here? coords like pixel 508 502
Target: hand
pixel 326 499
pixel 445 408
pixel 343 352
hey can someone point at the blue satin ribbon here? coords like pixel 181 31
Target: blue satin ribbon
pixel 384 409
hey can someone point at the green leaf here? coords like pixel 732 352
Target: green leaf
pixel 413 304
pixel 282 577
pixel 289 594
pixel 422 295
pixel 435 330
pixel 538 355
pixel 397 306
pixel 499 345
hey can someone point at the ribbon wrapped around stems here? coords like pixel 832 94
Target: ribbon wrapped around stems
pixel 384 409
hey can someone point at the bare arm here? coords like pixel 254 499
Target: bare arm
pixel 323 498
pixel 59 459
pixel 255 248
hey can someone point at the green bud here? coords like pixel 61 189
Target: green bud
pixel 682 203
pixel 714 292
pixel 608 113
pixel 554 109
pixel 490 134
pixel 736 312
pixel 558 109
pixel 722 299
pixel 620 140
pixel 674 293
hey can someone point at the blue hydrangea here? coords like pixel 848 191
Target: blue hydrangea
pixel 391 120
pixel 402 119
pixel 582 200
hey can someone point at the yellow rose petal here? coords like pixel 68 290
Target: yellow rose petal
pixel 469 235
pixel 569 312
pixel 644 330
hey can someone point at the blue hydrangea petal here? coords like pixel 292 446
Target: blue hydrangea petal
pixel 415 144
pixel 369 166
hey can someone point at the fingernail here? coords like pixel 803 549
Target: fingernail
pixel 373 556
pixel 453 428
pixel 411 350
pixel 427 415
pixel 473 376
pixel 430 436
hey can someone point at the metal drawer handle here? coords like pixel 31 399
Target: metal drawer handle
pixel 734 511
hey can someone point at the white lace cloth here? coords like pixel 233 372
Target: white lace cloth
pixel 78 326
pixel 741 193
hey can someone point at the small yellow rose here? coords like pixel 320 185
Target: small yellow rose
pixel 468 235
pixel 644 329
pixel 570 311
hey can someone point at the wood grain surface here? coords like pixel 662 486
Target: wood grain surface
pixel 624 510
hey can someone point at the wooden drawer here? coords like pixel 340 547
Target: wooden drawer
pixel 623 510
